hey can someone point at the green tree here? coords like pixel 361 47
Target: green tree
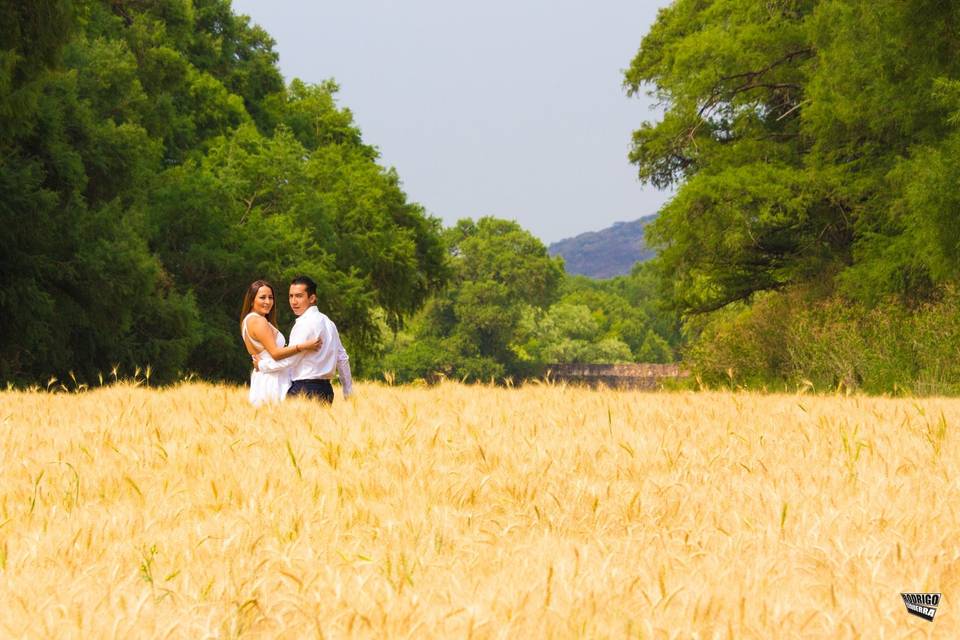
pixel 79 283
pixel 152 163
pixel 627 309
pixel 813 144
pixel 568 333
pixel 499 271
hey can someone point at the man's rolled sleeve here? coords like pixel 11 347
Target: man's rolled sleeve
pixel 343 370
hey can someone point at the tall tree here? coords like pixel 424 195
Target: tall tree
pixel 470 330
pixel 80 287
pixel 814 145
pixel 796 131
pixel 152 163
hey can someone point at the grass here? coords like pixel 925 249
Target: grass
pixel 456 511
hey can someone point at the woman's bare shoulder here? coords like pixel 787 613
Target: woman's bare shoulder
pixel 256 323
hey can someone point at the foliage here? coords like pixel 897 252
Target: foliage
pixel 499 273
pixel 152 162
pixel 571 333
pixel 815 146
pixel 509 312
pixel 803 339
pixel 803 133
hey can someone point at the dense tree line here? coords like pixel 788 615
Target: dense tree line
pixel 815 146
pixel 509 311
pixel 152 163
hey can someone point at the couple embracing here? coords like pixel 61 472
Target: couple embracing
pixel 308 364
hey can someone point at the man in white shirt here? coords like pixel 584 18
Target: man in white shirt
pixel 312 371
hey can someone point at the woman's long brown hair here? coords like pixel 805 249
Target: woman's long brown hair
pixel 251 295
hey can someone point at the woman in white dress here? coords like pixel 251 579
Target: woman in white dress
pixel 258 326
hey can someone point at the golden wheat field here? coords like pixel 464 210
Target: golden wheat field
pixel 459 512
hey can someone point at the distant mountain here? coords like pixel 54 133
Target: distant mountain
pixel 606 253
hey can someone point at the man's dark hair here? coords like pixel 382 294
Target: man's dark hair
pixel 310 284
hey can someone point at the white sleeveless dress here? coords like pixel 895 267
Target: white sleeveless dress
pixel 267 387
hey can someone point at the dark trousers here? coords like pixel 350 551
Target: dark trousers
pixel 318 389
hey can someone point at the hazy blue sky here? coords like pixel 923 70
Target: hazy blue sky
pixel 511 108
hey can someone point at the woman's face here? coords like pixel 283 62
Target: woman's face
pixel 263 303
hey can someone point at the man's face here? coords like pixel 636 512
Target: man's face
pixel 299 300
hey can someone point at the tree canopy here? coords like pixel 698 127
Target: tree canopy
pixel 810 139
pixel 152 163
pixel 509 311
pixel 814 146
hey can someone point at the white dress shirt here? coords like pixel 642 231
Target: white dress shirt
pixel 331 358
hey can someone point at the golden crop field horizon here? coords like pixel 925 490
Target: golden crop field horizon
pixel 475 512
